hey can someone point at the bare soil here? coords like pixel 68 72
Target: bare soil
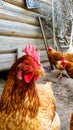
pixel 63 92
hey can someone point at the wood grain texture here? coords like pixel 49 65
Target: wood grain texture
pixel 22 3
pixel 18 27
pixel 9 12
pixel 18 42
pixel 7 58
pixel 15 8
pixel 6 65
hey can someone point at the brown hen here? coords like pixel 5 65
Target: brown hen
pixel 55 56
pixel 66 65
pixel 25 105
pixel 71 122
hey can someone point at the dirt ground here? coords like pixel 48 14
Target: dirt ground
pixel 63 92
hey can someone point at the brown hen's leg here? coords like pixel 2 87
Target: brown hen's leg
pixel 51 65
pixel 59 74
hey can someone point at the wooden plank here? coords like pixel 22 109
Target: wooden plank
pixel 19 10
pixel 11 28
pixel 43 56
pixel 43 53
pixel 8 51
pixel 19 19
pixel 7 57
pixel 22 4
pixel 10 14
pixel 17 25
pixel 16 42
pixel 17 29
pixel 16 34
pixel 6 66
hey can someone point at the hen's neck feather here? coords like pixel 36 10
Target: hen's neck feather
pixel 14 67
pixel 18 95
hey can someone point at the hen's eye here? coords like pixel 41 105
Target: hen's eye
pixel 26 63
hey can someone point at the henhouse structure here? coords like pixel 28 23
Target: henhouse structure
pixel 40 22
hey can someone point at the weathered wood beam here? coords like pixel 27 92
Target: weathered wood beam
pixel 6 66
pixel 7 57
pixel 11 28
pixel 18 34
pixel 16 18
pixel 8 51
pixel 18 42
pixel 19 4
pixel 22 3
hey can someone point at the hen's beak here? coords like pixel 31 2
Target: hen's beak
pixel 58 65
pixel 40 72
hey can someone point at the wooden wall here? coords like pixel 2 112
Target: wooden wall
pixel 19 26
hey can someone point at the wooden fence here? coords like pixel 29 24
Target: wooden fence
pixel 18 27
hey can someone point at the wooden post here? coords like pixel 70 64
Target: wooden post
pixel 45 40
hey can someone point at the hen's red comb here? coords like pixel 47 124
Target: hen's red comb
pixel 30 50
pixel 63 62
pixel 50 48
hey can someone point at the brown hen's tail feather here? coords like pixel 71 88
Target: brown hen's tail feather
pixel 71 122
pixel 56 123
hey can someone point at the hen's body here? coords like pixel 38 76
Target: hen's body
pixel 71 122
pixel 55 56
pixel 69 68
pixel 66 65
pixel 26 111
pixel 25 105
